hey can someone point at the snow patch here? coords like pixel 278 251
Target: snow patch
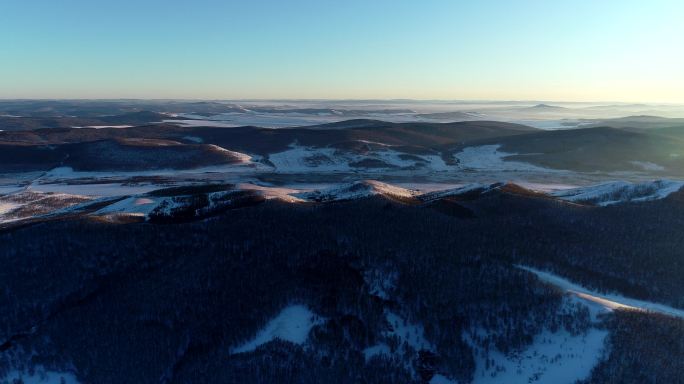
pixel 241 157
pixel 409 338
pixel 193 139
pixel 377 350
pixel 489 158
pixel 409 333
pixel 8 207
pixel 440 379
pixel 381 282
pixel 134 205
pixel 105 126
pixel 40 376
pixel 292 324
pixel 305 159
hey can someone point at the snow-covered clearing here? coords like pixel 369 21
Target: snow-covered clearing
pixel 552 358
pixel 378 349
pixel 607 301
pixel 304 159
pixel 557 358
pixel 412 334
pixel 409 334
pixel 292 324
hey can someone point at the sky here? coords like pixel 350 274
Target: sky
pixel 579 50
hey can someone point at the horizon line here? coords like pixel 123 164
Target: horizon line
pixel 338 100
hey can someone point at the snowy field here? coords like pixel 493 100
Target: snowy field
pixel 552 358
pixel 299 159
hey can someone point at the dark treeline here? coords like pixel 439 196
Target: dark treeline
pixel 637 338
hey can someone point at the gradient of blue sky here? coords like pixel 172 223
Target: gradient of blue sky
pixel 621 50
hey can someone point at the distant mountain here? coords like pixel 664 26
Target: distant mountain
pixel 453 116
pixel 546 107
pixel 640 122
pixel 135 118
pixel 329 111
pixel 11 123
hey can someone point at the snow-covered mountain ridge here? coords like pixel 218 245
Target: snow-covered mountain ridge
pixel 621 192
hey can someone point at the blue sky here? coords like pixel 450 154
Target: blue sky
pixel 431 49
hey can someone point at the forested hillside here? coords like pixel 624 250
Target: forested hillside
pixel 399 292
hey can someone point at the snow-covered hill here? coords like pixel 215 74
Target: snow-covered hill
pixel 27 204
pixel 474 189
pixel 356 190
pixel 620 192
